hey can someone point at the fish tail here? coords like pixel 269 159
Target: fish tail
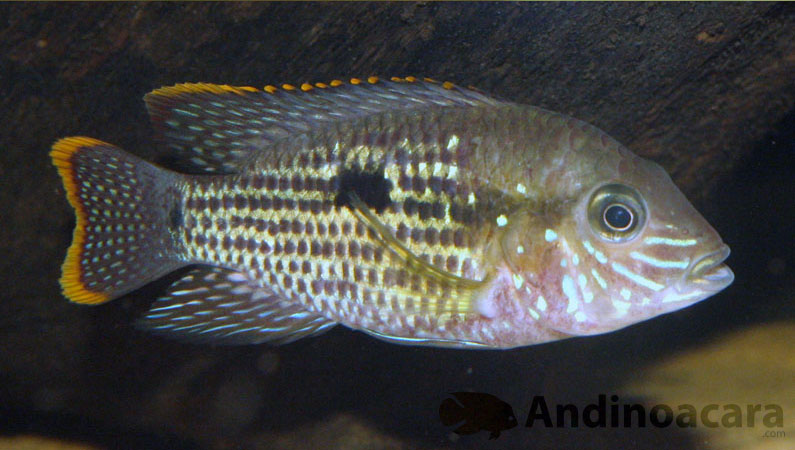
pixel 127 214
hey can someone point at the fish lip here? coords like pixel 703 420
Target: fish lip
pixel 709 273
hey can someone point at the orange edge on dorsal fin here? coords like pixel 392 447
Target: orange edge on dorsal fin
pixel 210 88
pixel 73 288
pixel 199 88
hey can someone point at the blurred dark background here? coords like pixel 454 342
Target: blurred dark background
pixel 707 90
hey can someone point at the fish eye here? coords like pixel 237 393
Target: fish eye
pixel 616 212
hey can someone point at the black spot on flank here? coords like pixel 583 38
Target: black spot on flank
pixel 370 186
pixel 175 217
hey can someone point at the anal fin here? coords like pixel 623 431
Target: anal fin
pixel 226 307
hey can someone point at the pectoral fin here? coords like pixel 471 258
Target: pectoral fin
pixel 412 261
pixel 465 289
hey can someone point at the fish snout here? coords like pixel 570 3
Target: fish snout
pixel 708 272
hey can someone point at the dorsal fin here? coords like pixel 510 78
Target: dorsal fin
pixel 212 128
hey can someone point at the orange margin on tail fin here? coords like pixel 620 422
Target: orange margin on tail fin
pixel 73 287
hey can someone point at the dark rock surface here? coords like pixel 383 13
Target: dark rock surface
pixel 707 90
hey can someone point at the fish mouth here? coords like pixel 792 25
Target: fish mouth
pixel 709 273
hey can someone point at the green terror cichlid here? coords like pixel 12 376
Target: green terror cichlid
pixel 418 212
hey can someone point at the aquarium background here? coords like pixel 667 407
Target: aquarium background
pixel 707 90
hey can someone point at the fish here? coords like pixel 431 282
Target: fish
pixel 477 411
pixel 416 211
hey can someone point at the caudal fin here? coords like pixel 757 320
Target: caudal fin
pixel 127 212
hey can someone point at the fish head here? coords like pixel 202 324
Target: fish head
pixel 628 247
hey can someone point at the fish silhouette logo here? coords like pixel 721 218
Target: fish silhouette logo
pixel 477 411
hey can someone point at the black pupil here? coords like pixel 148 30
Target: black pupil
pixel 618 217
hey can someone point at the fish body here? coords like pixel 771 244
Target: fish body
pixel 421 213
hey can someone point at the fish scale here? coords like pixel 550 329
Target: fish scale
pixel 418 212
pixel 294 197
